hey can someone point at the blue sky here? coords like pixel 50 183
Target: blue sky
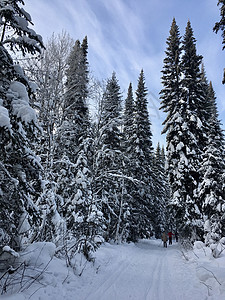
pixel 127 35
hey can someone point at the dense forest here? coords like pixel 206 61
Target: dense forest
pixel 77 176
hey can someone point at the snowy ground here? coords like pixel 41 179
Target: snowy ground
pixel 143 271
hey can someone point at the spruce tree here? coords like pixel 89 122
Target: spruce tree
pixel 109 183
pixel 142 167
pixel 171 104
pixel 193 129
pixel 75 123
pixel 20 169
pixel 73 155
pixel 131 183
pixel 211 189
pixel 170 94
pixel 186 129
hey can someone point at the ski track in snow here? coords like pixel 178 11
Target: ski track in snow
pixel 142 271
pixel 149 273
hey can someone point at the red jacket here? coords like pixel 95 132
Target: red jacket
pixel 170 234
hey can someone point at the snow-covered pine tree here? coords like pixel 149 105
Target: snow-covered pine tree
pixel 185 127
pixel 211 189
pixel 193 133
pixel 171 77
pixel 108 164
pixel 129 163
pixel 19 166
pixel 171 96
pixel 75 118
pixel 73 130
pixel 221 26
pixel 143 151
pixel 73 155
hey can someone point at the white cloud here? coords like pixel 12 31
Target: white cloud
pixel 126 36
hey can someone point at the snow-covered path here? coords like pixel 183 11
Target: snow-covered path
pixel 146 271
pixel 142 271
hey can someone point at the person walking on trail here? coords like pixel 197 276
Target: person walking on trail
pixel 164 239
pixel 170 234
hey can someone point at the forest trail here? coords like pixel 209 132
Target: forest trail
pixel 142 271
pixel 147 272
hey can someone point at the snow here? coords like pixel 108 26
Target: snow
pixel 143 271
pixel 179 146
pixel 4 117
pixel 26 14
pixel 23 24
pixel 183 159
pixel 199 123
pixel 19 70
pixel 39 254
pixel 20 102
pixel 10 250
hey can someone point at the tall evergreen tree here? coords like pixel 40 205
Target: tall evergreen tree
pixel 75 110
pixel 75 123
pixel 186 140
pixel 109 185
pixel 131 184
pixel 171 104
pixel 193 132
pixel 20 170
pixel 171 78
pixel 211 189
pixel 142 167
pixel 73 158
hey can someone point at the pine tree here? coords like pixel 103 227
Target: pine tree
pixel 109 169
pixel 20 169
pixel 73 158
pixel 171 77
pixel 193 129
pixel 211 190
pixel 171 104
pixel 186 129
pixel 131 183
pixel 75 121
pixel 141 213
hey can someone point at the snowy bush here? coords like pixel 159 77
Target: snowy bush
pixel 26 268
pixel 198 245
pixel 39 254
pixel 218 248
pixel 8 258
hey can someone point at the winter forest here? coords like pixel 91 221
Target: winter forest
pixel 77 163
